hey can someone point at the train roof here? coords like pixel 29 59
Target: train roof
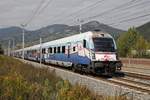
pixel 76 37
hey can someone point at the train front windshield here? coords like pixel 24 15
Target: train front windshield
pixel 104 45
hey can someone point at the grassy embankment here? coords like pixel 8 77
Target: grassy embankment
pixel 19 81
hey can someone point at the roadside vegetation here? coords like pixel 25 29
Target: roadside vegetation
pixel 132 44
pixel 19 81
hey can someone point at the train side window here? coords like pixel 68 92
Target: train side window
pixel 84 43
pixel 74 48
pixel 50 50
pixel 63 49
pixel 58 49
pixel 54 49
pixel 43 50
pixel 35 51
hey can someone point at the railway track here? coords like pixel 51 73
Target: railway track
pixel 138 86
pixel 136 68
pixel 135 81
pixel 137 75
pixel 131 84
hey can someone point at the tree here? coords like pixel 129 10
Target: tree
pixel 126 42
pixel 1 50
pixel 132 44
pixel 141 47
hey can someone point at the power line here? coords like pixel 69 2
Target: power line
pixel 128 15
pixel 126 20
pixel 133 14
pixel 87 7
pixel 124 6
pixel 105 12
pixel 35 12
pixel 39 9
pixel 115 8
pixel 129 7
pixel 45 6
pixel 130 19
pixel 142 3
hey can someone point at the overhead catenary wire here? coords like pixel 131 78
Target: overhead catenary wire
pixel 110 10
pixel 78 11
pixel 40 8
pixel 44 7
pixel 30 18
pixel 132 14
pixel 105 12
pixel 125 10
pixel 128 16
pixel 130 19
pixel 124 6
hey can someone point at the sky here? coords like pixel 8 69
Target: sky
pixel 121 14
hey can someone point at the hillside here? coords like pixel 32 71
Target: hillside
pixel 53 32
pixel 145 30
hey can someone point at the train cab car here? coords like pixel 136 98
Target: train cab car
pixel 104 59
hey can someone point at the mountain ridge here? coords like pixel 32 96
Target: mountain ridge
pixel 145 30
pixel 55 31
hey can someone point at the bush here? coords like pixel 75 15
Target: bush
pixel 19 81
pixel 67 92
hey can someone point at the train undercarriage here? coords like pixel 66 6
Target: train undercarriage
pixel 99 68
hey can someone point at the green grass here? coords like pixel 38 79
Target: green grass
pixel 19 81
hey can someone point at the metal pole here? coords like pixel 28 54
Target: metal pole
pixel 5 51
pixel 40 51
pixel 23 31
pixel 13 46
pixel 80 27
pixel 23 44
pixel 9 48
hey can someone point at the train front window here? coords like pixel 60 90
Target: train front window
pixel 104 45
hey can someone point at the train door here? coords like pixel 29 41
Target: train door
pixel 68 49
pixel 80 48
